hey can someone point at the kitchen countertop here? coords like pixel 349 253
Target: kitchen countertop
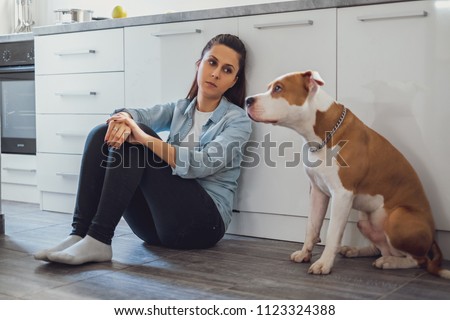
pixel 16 37
pixel 238 11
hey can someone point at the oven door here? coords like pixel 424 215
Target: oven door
pixel 18 112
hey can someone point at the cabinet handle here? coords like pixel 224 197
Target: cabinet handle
pixel 19 169
pixel 283 24
pixel 74 52
pixel 76 93
pixel 387 16
pixel 67 174
pixel 175 33
pixel 70 134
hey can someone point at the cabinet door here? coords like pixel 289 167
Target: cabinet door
pixel 275 181
pixel 160 59
pixel 394 73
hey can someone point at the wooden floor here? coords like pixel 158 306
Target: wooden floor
pixel 237 268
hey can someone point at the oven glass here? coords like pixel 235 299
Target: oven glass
pixel 18 116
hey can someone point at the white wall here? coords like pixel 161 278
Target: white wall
pixel 43 9
pixel 6 16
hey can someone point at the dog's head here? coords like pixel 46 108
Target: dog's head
pixel 287 97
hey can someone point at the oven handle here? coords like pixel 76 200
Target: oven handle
pixel 16 69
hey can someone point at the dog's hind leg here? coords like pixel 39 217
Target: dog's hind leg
pixel 391 262
pixel 410 236
pixel 409 232
pixel 372 230
pixel 353 252
pixel 367 229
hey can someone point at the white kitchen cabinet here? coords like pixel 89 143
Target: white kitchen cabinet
pixel 394 74
pixel 79 82
pixel 274 190
pixel 160 60
pixel 288 42
pixel 80 52
pixel 19 181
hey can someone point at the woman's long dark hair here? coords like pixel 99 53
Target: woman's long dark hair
pixel 236 94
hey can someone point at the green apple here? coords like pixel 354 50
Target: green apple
pixel 119 12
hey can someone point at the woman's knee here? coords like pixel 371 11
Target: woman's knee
pixel 95 139
pixel 98 133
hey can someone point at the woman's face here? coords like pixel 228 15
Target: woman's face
pixel 217 71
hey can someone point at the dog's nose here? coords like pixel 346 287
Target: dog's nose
pixel 249 101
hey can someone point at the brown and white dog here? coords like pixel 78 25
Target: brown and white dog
pixel 368 174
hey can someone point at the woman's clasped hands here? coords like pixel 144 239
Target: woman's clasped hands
pixel 121 128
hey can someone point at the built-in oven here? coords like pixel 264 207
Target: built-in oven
pixel 17 97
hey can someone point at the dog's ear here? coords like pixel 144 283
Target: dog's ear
pixel 315 77
pixel 313 81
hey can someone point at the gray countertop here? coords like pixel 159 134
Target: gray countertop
pixel 239 11
pixel 16 37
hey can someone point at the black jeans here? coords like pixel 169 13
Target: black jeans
pixel 160 208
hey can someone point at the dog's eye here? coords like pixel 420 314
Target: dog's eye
pixel 277 88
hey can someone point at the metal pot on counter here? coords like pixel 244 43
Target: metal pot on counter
pixel 73 15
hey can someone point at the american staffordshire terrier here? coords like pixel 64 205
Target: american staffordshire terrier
pixel 367 174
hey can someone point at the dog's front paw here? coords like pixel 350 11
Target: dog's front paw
pixel 320 267
pixel 301 256
pixel 349 252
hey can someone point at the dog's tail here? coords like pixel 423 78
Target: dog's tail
pixel 434 263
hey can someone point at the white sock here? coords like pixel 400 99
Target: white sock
pixel 86 250
pixel 67 242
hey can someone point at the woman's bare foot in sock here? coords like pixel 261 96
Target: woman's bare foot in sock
pixel 86 250
pixel 67 242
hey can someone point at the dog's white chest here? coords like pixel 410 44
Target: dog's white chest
pixel 323 173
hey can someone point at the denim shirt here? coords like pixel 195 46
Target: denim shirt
pixel 215 163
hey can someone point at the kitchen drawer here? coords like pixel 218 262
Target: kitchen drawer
pixel 19 169
pixel 94 51
pixel 59 202
pixel 58 172
pixel 80 93
pixel 20 192
pixel 65 133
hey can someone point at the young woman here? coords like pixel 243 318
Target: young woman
pixel 179 193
